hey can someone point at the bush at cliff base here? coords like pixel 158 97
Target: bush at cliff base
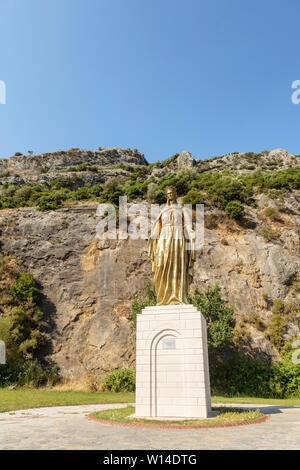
pixel 120 380
pixel 239 375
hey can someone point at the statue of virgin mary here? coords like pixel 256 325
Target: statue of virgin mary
pixel 171 250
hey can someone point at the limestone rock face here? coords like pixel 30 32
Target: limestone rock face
pixel 62 160
pixel 277 158
pixel 74 180
pixel 88 284
pixel 281 155
pixel 185 160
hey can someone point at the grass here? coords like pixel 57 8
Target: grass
pixel 255 400
pixel 27 398
pixel 21 399
pixel 226 416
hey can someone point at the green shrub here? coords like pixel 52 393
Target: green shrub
pixel 34 375
pixel 160 197
pixel 23 193
pixel 81 193
pixel 219 317
pixel 239 375
pixel 26 321
pixel 181 179
pixel 151 191
pixel 139 302
pixel 136 190
pixel 276 329
pixel 25 318
pixel 12 351
pixel 95 191
pixel 226 189
pixel 25 288
pixel 194 197
pixel 112 190
pixel 56 184
pixel 27 374
pixel 112 197
pixel 53 376
pixel 62 194
pixel 283 179
pixel 235 210
pixel 21 325
pixel 247 167
pixel 12 373
pixel 120 380
pixel 285 382
pixel 17 369
pixel 48 203
pixel 241 335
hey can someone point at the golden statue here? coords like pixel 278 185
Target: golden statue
pixel 171 249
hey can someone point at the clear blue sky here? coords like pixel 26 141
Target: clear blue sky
pixel 208 76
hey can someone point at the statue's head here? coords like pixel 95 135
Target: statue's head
pixel 171 193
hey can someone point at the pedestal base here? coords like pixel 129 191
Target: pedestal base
pixel 211 414
pixel 172 372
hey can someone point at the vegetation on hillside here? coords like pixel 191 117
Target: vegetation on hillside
pixel 21 327
pixel 227 189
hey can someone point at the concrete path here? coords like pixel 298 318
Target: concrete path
pixel 66 427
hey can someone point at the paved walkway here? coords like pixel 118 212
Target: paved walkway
pixel 67 427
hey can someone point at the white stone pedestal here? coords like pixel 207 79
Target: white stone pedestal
pixel 172 371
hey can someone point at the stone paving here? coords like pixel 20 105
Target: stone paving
pixel 67 427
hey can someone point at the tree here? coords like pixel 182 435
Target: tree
pixel 235 210
pixel 219 317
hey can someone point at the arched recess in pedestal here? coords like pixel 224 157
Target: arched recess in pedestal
pixel 154 382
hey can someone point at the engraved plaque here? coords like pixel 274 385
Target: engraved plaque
pixel 169 344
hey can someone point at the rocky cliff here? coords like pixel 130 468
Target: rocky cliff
pixel 88 284
pixel 68 166
pixel 63 159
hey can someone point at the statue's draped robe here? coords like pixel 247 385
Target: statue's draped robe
pixel 172 262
